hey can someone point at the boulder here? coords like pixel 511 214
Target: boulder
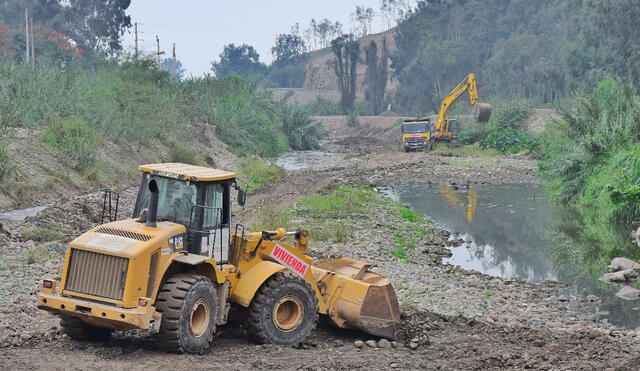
pixel 628 293
pixel 613 277
pixel 619 264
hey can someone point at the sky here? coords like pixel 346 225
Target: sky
pixel 200 29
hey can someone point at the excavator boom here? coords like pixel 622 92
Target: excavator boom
pixel 482 111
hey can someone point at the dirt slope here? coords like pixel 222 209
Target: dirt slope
pixel 320 75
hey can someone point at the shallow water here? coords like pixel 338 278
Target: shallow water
pixel 510 230
pixel 296 160
pixel 21 214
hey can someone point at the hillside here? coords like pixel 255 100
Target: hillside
pixel 320 75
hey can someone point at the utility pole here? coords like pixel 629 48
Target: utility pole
pixel 33 45
pixel 175 62
pixel 26 29
pixel 135 28
pixel 159 52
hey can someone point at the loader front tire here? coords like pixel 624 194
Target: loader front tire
pixel 79 330
pixel 189 308
pixel 283 311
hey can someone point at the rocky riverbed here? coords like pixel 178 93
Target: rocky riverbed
pixel 452 318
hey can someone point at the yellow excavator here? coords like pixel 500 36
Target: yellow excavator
pixel 175 268
pixel 446 129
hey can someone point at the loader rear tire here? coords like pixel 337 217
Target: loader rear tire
pixel 283 311
pixel 189 308
pixel 79 330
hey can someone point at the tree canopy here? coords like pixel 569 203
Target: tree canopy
pixel 241 60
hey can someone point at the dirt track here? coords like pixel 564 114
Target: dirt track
pixel 522 326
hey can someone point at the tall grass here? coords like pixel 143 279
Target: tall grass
pixel 134 103
pixel 591 156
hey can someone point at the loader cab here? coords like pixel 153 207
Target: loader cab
pixel 197 197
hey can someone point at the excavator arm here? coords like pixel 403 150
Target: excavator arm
pixel 482 111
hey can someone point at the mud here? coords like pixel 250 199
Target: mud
pixel 449 319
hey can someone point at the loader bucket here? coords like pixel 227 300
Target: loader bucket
pixel 358 298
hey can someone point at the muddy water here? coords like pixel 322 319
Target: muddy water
pixel 296 160
pixel 512 231
pixel 21 214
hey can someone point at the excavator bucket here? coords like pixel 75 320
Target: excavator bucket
pixel 356 297
pixel 482 112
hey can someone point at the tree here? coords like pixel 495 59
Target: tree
pixel 93 25
pixel 320 32
pixel 364 16
pixel 618 22
pixel 346 51
pixel 376 77
pixel 241 60
pixel 393 11
pixel 288 48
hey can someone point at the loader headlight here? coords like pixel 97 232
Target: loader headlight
pixel 47 284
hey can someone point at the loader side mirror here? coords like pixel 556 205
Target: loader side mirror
pixel 242 197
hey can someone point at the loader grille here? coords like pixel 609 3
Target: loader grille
pixel 126 234
pixel 97 274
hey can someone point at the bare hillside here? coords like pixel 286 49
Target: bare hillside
pixel 320 75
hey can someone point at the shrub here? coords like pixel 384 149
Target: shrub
pixel 323 107
pixel 76 140
pixel 257 172
pixel 301 130
pixel 179 152
pixel 352 119
pixel 39 234
pixel 509 141
pixel 410 215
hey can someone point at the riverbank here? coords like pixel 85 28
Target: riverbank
pixel 452 318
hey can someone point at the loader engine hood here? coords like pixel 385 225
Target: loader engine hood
pixel 127 238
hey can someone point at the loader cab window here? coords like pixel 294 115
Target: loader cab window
pixel 414 128
pixel 175 200
pixel 215 213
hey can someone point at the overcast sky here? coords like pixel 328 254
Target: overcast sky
pixel 200 29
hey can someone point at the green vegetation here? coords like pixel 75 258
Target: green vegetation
pixel 135 104
pixel 32 256
pixel 340 201
pixel 323 107
pixel 180 152
pixel 257 172
pixel 410 215
pixel 39 234
pixel 503 131
pixel 271 217
pixel 76 139
pixel 591 156
pixel 541 50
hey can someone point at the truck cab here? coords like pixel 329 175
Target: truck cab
pixel 417 134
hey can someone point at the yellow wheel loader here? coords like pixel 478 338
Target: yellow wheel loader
pixel 177 267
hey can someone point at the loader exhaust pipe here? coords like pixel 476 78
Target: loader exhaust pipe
pixel 153 205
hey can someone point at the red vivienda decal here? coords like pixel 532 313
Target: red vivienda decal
pixel 283 256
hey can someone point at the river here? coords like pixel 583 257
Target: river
pixel 514 231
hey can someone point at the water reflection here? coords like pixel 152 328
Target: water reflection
pixel 514 231
pixel 503 226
